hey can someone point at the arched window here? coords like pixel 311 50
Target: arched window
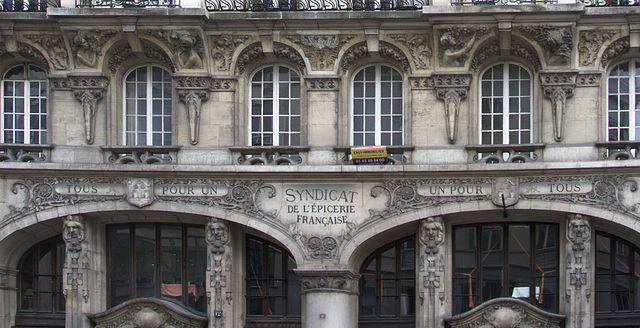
pixel 505 105
pixel 387 286
pixel 157 260
pixel 40 299
pixel 273 288
pixel 377 116
pixel 275 107
pixel 518 260
pixel 617 282
pixel 147 107
pixel 623 94
pixel 24 105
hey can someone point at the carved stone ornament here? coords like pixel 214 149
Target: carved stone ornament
pixel 140 192
pixel 455 44
pixel 558 86
pixel 73 234
pixel 148 313
pixel 322 248
pixel 505 191
pixel 54 46
pixel 506 312
pixel 557 42
pixel 394 53
pixel 217 236
pixel 329 281
pixel 590 42
pixel 122 52
pixel 615 49
pixel 87 46
pixel 249 55
pixel 588 79
pixel 193 90
pixel 29 52
pixel 322 84
pixel 431 237
pixel 452 88
pixel 579 234
pixel 422 83
pixel 420 47
pixel 487 51
pixel 492 49
pixel 223 48
pixel 89 90
pixel 321 50
pixel 353 54
pixel 187 46
pixel 288 53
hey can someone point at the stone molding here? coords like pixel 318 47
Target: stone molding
pixel 321 49
pixel 557 42
pixel 452 88
pixel 506 312
pixel 328 281
pixel 7 275
pixel 148 312
pixel 558 86
pixel 590 42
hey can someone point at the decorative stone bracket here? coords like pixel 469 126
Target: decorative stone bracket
pixel 193 90
pixel 88 90
pixel 558 86
pixel 329 281
pixel 452 88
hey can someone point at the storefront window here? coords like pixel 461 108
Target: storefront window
pixel 505 260
pixel 157 260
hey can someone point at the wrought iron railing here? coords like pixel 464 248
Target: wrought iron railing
pixel 501 2
pixel 611 3
pixel 284 5
pixel 23 5
pixel 126 3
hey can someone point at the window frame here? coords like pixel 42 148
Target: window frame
pixel 27 98
pixel 149 100
pixel 506 129
pixel 378 115
pixel 276 116
pixel 633 78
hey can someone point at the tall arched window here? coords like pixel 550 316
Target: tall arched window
pixel 377 116
pixel 275 107
pixel 24 105
pixel 518 260
pixel 147 107
pixel 157 260
pixel 40 299
pixel 617 282
pixel 623 94
pixel 273 288
pixel 387 286
pixel 505 105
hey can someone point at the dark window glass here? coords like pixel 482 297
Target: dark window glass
pixel 157 260
pixel 273 295
pixel 518 260
pixel 24 105
pixel 387 286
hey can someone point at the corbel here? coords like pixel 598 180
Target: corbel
pixel 504 33
pixel 89 91
pixel 131 35
pixel 193 90
pixel 634 34
pixel 452 88
pixel 266 40
pixel 8 38
pixel 372 35
pixel 558 86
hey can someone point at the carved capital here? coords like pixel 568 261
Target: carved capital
pixel 329 281
pixel 452 88
pixel 558 86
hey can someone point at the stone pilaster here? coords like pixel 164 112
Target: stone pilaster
pixel 578 272
pixel 323 93
pixel 219 265
pixel 8 295
pixel 329 298
pixel 431 293
pixel 75 272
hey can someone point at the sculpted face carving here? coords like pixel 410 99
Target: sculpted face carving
pixel 431 235
pixel 73 229
pixel 217 235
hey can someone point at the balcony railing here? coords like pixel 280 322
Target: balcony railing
pixel 25 153
pixel 126 3
pixel 20 5
pixel 285 5
pixel 619 150
pixel 493 154
pixel 140 154
pixel 274 155
pixel 501 2
pixel 611 3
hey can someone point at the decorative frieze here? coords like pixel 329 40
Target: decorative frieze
pixel 422 83
pixel 558 86
pixel 321 50
pixel 588 79
pixel 86 46
pixel 456 44
pixel 590 43
pixel 420 47
pixel 54 46
pixel 556 41
pixel 222 49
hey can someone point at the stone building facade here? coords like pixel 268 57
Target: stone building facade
pixel 188 164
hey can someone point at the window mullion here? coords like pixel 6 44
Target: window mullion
pixel 149 102
pixel 505 104
pixel 276 106
pixel 632 101
pixel 378 106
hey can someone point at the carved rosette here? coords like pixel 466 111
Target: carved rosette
pixel 590 42
pixel 452 88
pixel 420 47
pixel 321 247
pixel 455 44
pixel 556 41
pixel 193 90
pixel 558 86
pixel 223 48
pixel 322 83
pixel 329 281
pixel 321 50
pixel 54 47
pixel 615 49
pixel 73 234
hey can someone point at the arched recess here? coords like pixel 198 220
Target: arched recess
pixel 489 52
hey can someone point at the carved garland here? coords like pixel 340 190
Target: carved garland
pixel 615 49
pixel 54 46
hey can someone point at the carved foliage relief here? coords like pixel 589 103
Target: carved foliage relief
pixel 87 46
pixel 223 48
pixel 321 50
pixel 187 46
pixel 420 47
pixel 590 43
pixel 455 44
pixel 556 41
pixel 122 52
pixel 614 50
pixel 54 47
